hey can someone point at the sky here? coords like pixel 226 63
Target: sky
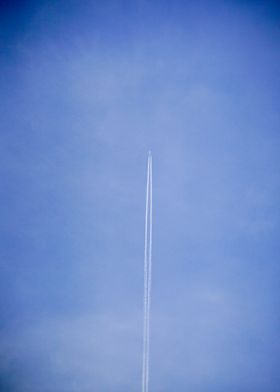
pixel 87 88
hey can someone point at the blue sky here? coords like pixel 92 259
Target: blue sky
pixel 86 89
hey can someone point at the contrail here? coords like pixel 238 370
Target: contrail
pixel 147 277
pixel 145 283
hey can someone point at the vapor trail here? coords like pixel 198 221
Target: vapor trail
pixel 145 283
pixel 147 278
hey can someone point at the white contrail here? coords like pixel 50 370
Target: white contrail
pixel 145 282
pixel 147 278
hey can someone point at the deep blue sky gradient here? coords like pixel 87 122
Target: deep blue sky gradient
pixel 86 89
